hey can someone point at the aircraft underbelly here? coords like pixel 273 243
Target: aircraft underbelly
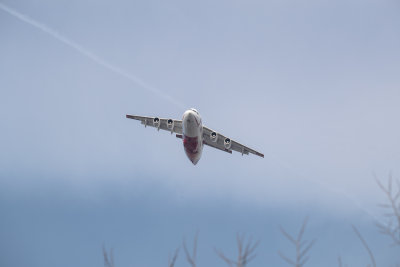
pixel 192 139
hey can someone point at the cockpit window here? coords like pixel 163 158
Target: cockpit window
pixel 192 109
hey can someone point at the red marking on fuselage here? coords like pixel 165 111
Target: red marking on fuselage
pixel 191 145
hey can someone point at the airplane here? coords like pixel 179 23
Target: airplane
pixel 195 134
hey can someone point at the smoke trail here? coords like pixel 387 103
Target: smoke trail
pixel 95 58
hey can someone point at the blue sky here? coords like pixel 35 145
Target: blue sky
pixel 314 85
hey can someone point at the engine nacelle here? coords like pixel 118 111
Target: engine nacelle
pixel 156 122
pixel 170 124
pixel 227 143
pixel 214 137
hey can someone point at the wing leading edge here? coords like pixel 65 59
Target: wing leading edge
pixel 171 125
pixel 218 143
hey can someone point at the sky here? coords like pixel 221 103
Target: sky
pixel 313 85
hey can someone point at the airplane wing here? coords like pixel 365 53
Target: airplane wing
pixel 218 141
pixel 171 125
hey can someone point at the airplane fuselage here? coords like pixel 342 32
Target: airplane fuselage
pixel 192 129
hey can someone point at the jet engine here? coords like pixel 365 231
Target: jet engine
pixel 214 137
pixel 170 124
pixel 227 143
pixel 156 122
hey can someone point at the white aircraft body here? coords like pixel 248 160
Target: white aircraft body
pixel 195 134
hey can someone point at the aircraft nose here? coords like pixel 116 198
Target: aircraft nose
pixel 189 116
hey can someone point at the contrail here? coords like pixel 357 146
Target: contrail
pixel 327 187
pixel 83 51
pixel 95 58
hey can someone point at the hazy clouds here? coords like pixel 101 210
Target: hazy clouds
pixel 312 85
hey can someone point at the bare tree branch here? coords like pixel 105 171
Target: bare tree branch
pixel 291 262
pixel 303 227
pixel 171 261
pixel 365 245
pixel 302 247
pixel 245 252
pixel 191 258
pixel 289 237
pixel 108 262
pixel 224 258
pixel 302 254
pixel 392 227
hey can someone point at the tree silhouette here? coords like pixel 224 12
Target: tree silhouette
pixel 302 247
pixel 245 252
pixel 392 211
